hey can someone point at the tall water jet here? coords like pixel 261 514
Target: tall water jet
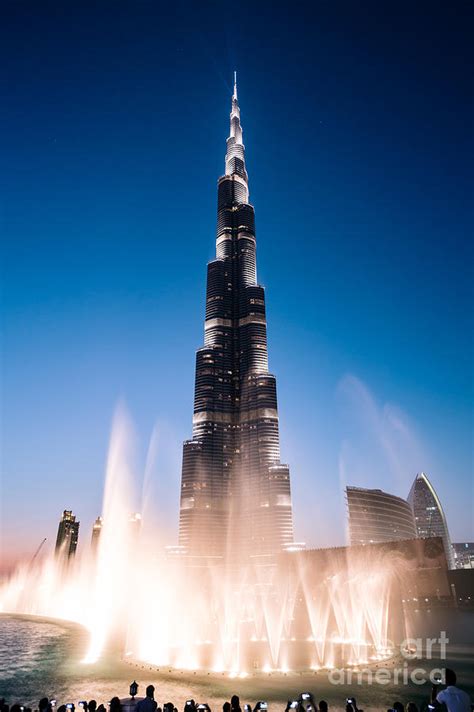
pixel 109 598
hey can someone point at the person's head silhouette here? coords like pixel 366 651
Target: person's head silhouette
pixel 450 677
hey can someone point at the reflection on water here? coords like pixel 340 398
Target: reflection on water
pixel 40 657
pixel 24 644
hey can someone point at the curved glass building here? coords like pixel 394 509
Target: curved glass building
pixel 235 492
pixel 375 516
pixel 429 515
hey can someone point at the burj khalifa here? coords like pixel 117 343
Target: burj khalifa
pixel 235 493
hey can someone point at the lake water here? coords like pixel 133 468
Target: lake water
pixel 43 658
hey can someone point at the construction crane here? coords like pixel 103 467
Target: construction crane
pixel 37 552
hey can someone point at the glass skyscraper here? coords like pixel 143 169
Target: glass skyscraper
pixel 235 492
pixel 96 532
pixel 68 534
pixel 429 514
pixel 376 516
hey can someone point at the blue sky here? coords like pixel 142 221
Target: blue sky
pixel 358 129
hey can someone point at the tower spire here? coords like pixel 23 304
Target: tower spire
pixel 235 155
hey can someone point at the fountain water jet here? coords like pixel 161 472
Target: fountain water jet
pixel 109 595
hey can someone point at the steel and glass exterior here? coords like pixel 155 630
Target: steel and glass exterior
pixel 463 554
pixel 96 532
pixel 68 535
pixel 429 515
pixel 376 516
pixel 235 492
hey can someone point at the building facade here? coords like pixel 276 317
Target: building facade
pixel 429 515
pixel 235 492
pixel 418 566
pixel 464 555
pixel 96 532
pixel 376 516
pixel 68 535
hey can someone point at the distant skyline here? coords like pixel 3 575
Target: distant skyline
pixel 358 135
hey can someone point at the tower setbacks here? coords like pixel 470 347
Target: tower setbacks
pixel 235 492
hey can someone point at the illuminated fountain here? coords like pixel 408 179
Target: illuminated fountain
pixel 289 615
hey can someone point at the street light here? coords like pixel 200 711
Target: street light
pixel 133 689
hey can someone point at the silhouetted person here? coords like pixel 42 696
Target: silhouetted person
pixel 43 705
pixel 411 707
pixel 148 703
pixel 398 707
pixel 455 699
pixel 114 705
pixel 235 704
pixel 226 707
pixel 62 708
pixel 351 705
pixel 189 706
pixel 92 706
pixel 323 706
pixel 100 708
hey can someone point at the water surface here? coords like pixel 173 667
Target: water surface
pixel 42 657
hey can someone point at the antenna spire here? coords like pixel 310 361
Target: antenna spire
pixel 235 155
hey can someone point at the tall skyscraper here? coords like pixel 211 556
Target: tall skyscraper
pixel 235 492
pixel 376 516
pixel 96 532
pixel 68 534
pixel 429 514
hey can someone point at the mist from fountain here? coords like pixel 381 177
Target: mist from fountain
pixel 220 618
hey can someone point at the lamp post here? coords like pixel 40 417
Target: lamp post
pixel 133 689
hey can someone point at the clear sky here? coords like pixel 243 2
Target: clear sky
pixel 358 130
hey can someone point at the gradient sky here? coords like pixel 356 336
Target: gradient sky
pixel 358 129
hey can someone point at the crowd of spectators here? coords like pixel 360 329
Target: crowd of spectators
pixel 451 698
